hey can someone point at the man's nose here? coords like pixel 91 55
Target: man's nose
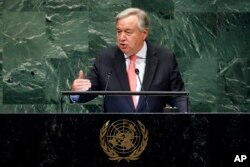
pixel 122 36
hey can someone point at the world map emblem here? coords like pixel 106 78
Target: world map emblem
pixel 123 139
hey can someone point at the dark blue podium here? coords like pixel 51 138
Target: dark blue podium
pixel 170 139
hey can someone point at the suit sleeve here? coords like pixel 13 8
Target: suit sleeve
pixel 177 84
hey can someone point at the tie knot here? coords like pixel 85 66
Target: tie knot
pixel 132 58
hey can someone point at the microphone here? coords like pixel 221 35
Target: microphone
pixel 108 78
pixel 106 87
pixel 146 99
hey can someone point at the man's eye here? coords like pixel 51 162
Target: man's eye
pixel 128 32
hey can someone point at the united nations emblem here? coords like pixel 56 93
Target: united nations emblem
pixel 123 139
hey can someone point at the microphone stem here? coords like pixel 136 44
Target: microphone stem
pixel 106 88
pixel 146 99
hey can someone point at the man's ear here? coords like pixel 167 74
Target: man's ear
pixel 145 32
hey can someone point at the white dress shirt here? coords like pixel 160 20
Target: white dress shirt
pixel 140 64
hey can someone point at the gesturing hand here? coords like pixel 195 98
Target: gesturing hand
pixel 81 84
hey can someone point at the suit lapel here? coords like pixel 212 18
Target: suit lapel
pixel 150 70
pixel 121 73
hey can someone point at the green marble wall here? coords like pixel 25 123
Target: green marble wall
pixel 44 43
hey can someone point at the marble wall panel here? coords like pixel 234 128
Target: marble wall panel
pixel 24 48
pixel 196 6
pixel 233 6
pixel 108 5
pixel 24 5
pixel 45 43
pixel 233 61
pixel 1 52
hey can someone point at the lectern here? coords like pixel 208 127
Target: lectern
pixel 124 93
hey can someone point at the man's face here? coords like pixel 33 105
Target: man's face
pixel 129 37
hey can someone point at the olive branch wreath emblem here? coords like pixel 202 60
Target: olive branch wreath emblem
pixel 113 155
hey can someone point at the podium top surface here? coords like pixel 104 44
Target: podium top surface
pixel 127 93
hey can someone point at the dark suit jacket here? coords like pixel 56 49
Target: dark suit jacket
pixel 161 74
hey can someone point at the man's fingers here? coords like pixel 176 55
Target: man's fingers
pixel 81 75
pixel 81 85
pixel 84 82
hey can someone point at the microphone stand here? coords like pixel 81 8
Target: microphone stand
pixel 145 97
pixel 106 87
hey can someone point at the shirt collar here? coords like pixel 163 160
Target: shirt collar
pixel 142 53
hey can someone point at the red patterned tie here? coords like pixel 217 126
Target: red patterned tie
pixel 132 76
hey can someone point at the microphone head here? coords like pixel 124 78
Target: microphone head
pixel 137 71
pixel 110 72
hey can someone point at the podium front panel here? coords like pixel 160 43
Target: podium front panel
pixel 123 139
